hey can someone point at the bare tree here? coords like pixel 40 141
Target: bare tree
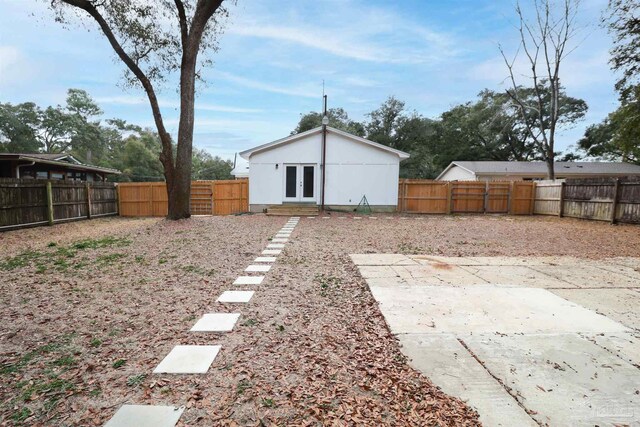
pixel 545 43
pixel 154 39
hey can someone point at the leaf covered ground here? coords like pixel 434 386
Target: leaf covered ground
pixel 90 308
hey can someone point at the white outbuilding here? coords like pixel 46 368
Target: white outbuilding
pixel 296 169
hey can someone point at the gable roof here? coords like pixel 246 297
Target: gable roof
pixel 65 160
pixel 292 138
pixel 540 168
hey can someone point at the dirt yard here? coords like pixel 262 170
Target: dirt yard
pixel 90 308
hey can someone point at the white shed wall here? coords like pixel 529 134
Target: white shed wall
pixel 354 169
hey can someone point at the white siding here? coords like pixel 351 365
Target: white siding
pixel 354 169
pixel 456 173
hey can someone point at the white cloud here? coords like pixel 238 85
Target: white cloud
pixel 268 87
pixel 13 66
pixel 200 106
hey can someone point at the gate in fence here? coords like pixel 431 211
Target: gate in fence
pixel 224 197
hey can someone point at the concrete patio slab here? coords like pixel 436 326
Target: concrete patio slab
pixel 625 345
pixel 188 359
pixel 271 252
pixel 447 273
pixel 145 416
pixel 516 275
pixel 450 366
pixel 265 259
pixel 587 276
pixel 624 270
pixel 432 259
pixel 248 280
pixel 626 261
pixel 382 259
pixel 275 246
pixel 216 322
pixel 256 268
pixel 576 383
pixel 404 284
pixel 486 309
pixel 622 305
pixel 235 296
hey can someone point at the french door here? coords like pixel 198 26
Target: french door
pixel 299 183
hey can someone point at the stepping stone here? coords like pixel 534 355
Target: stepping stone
pixel 216 322
pixel 188 359
pixel 357 217
pixel 271 252
pixel 342 217
pixel 249 280
pixel 265 259
pixel 326 217
pixel 279 240
pixel 145 416
pixel 275 246
pixel 258 268
pixel 373 217
pixel 235 296
pixel 311 217
pixel 282 236
pixel 286 230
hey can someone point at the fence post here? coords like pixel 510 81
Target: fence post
pixel 532 201
pixel 49 202
pixel 213 198
pixel 614 202
pixel 118 199
pixel 561 210
pixel 88 190
pixel 512 185
pixel 449 198
pixel 485 204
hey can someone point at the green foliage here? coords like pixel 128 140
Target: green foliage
pixel 119 363
pixel 624 24
pixel 136 380
pixel 618 136
pixel 207 167
pixel 338 118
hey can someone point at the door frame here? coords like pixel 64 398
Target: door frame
pixel 299 167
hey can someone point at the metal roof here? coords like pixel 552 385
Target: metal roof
pixel 65 160
pixel 292 138
pixel 540 168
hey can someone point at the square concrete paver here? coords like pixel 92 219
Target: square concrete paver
pixel 275 246
pixel 145 416
pixel 257 268
pixel 188 359
pixel 235 296
pixel 248 280
pixel 279 240
pixel 265 259
pixel 564 380
pixel 216 322
pixel 282 235
pixel 271 252
pixel 450 366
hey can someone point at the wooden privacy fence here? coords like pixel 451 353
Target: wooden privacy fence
pixel 30 202
pixel 207 198
pixel 425 196
pixel 603 199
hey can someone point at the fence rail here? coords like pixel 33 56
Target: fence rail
pixel 438 197
pixel 29 203
pixel 224 197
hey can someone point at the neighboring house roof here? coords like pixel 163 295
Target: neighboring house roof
pixel 65 160
pixel 540 168
pixel 248 153
pixel 240 170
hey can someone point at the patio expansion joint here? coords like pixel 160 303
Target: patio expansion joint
pixel 616 354
pixel 506 388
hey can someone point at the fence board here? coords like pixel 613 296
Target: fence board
pixel 24 203
pixel 224 197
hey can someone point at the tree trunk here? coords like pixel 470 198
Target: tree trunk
pixel 179 181
pixel 551 173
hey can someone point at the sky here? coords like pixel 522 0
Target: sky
pixel 274 56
